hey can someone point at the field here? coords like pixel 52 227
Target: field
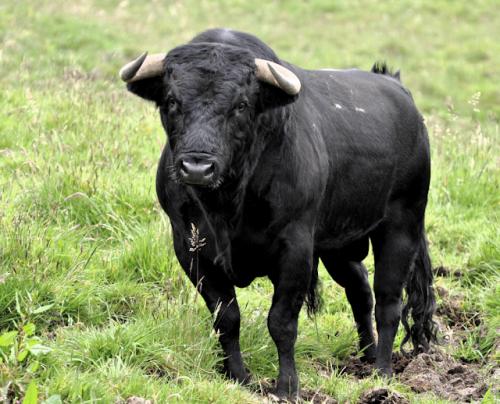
pixel 94 306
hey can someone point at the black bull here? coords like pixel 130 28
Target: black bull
pixel 276 180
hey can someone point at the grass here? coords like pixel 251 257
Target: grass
pixel 86 252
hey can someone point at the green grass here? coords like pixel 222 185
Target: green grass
pixel 81 232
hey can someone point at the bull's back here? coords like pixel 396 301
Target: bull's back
pixel 376 148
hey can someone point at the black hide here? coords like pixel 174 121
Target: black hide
pixel 295 179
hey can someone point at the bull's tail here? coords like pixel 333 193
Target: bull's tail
pixel 420 302
pixel 382 68
pixel 313 297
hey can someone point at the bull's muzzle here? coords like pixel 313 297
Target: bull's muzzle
pixel 197 169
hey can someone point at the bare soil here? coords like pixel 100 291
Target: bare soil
pixel 441 374
pixel 359 369
pixel 382 396
pixel 306 396
pixel 435 372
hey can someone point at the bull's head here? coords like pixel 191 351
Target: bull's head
pixel 208 96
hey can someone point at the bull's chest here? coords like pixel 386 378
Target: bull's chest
pixel 250 260
pixel 253 247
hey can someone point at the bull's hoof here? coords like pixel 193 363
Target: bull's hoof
pixel 383 371
pixel 287 390
pixel 282 396
pixel 242 377
pixel 369 353
pixel 245 379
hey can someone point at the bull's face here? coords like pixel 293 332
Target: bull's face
pixel 208 96
pixel 207 111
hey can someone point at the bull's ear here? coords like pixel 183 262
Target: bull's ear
pixel 144 76
pixel 151 89
pixel 271 97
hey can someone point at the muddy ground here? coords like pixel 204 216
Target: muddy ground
pixel 435 372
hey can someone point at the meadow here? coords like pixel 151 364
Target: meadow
pixel 94 306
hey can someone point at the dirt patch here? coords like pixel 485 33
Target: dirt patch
pixel 436 372
pixel 316 397
pixel 382 396
pixel 359 369
pixel 266 389
pixel 441 374
pixel 452 312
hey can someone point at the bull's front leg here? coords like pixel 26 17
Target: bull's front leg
pixel 227 326
pixel 220 298
pixel 291 283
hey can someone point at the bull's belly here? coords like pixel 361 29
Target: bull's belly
pixel 343 225
pixel 340 236
pixel 250 261
pixel 355 202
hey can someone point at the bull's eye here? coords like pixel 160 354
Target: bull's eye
pixel 242 106
pixel 171 103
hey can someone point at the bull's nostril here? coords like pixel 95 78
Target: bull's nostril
pixel 184 166
pixel 210 169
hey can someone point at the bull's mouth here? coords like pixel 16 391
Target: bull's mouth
pixel 200 180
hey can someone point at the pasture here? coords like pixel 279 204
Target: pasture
pixel 94 306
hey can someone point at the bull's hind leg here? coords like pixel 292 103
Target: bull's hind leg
pixel 353 277
pixel 395 243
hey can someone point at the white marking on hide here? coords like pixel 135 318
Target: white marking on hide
pixel 359 109
pixel 338 106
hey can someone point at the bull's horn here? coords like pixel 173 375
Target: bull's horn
pixel 278 76
pixel 143 67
